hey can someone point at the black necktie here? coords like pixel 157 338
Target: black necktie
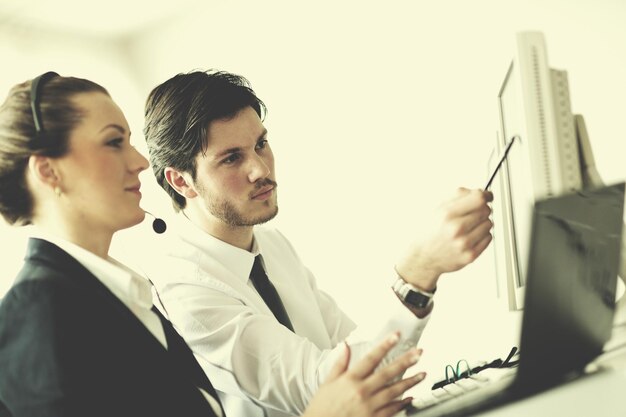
pixel 268 293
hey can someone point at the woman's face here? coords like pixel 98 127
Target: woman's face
pixel 99 176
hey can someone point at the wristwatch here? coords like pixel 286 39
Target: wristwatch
pixel 412 295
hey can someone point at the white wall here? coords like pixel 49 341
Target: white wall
pixel 377 112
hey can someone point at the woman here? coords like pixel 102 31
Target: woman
pixel 78 332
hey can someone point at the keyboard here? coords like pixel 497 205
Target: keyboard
pixel 463 394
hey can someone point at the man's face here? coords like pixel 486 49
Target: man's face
pixel 235 177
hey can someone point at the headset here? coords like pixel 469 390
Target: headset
pixel 35 89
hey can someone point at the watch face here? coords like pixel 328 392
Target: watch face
pixel 417 299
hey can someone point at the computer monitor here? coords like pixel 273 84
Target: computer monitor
pixel 543 161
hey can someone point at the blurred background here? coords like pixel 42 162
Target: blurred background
pixel 377 112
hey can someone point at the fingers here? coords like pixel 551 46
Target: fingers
pixel 467 201
pixel 367 365
pixel 479 233
pixel 393 407
pixel 341 364
pixel 481 246
pixel 395 369
pixel 393 391
pixel 470 221
pixel 469 246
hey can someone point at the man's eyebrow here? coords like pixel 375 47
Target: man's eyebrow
pixel 227 152
pixel 238 149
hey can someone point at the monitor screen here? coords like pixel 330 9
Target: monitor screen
pixel 543 161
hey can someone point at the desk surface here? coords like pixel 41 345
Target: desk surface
pixel 602 394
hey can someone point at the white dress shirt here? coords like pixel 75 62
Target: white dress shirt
pixel 258 366
pixel 133 290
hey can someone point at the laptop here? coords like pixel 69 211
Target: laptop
pixel 569 299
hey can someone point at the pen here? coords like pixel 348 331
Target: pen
pixel 502 158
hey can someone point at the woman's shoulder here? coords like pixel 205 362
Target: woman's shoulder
pixel 38 290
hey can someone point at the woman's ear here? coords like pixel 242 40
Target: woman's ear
pixel 180 182
pixel 43 171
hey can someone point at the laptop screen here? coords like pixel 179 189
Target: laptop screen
pixel 572 273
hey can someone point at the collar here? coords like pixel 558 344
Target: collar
pixel 124 283
pixel 234 259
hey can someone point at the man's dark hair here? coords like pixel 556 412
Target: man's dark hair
pixel 178 114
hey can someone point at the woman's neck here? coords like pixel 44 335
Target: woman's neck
pixel 95 241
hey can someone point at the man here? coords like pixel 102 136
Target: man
pixel 239 294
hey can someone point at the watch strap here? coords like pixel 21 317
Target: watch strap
pixel 412 295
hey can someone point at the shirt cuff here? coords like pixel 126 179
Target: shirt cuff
pixel 405 321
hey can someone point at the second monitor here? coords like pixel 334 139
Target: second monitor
pixel 546 159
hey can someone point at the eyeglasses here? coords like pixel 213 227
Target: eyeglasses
pixel 454 373
pixel 35 89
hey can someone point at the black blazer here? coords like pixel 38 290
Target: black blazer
pixel 69 347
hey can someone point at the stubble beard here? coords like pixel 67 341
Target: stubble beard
pixel 227 213
pixel 225 210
